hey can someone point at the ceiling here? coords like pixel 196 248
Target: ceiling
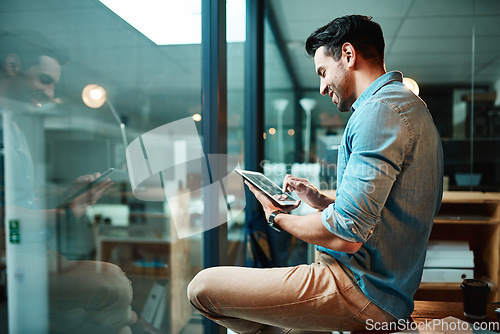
pixel 428 40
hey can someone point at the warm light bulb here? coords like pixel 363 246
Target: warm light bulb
pixel 197 117
pixel 291 132
pixel 272 131
pixel 96 93
pixel 94 96
pixel 412 85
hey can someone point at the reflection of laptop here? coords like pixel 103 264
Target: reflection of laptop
pixel 267 186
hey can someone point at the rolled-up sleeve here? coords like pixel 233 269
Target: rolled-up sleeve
pixel 374 156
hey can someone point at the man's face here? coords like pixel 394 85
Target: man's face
pixel 335 80
pixel 35 84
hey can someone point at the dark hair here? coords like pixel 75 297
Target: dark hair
pixel 30 46
pixel 363 33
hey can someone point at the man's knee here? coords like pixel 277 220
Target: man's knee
pixel 115 284
pixel 200 288
pixel 196 287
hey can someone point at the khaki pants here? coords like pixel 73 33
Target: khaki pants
pixel 316 297
pixel 89 297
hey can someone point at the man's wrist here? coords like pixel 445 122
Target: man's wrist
pixel 327 201
pixel 271 220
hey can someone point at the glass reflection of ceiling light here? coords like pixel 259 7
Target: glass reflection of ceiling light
pixel 272 131
pixel 96 93
pixel 197 117
pixel 94 96
pixel 161 20
pixel 412 85
pixel 308 105
pixel 280 105
pixel 291 132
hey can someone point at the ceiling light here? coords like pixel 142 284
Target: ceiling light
pixel 94 96
pixel 162 20
pixel 412 85
pixel 308 105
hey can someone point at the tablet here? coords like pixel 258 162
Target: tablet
pixel 112 173
pixel 267 186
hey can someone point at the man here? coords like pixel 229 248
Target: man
pixel 84 296
pixel 372 238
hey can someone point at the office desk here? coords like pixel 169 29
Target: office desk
pixel 426 317
pixel 428 310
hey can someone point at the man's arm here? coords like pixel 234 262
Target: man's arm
pixel 308 228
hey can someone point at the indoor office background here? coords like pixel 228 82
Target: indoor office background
pixel 154 74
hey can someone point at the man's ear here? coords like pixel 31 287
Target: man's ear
pixel 349 52
pixel 12 64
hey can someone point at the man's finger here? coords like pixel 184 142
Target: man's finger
pixel 288 183
pixel 285 182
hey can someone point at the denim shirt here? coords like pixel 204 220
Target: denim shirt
pixel 389 189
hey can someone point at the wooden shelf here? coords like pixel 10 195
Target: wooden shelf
pixel 154 277
pixel 446 286
pixel 470 197
pixel 125 250
pixel 465 220
pixel 440 286
pixel 473 217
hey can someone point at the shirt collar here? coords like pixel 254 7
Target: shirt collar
pixel 376 85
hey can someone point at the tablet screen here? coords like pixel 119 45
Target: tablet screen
pixel 112 173
pixel 267 186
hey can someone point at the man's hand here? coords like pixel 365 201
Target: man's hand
pixel 268 204
pixel 307 192
pixel 308 228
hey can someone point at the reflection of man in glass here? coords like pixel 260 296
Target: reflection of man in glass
pixel 84 296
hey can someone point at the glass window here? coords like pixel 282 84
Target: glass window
pixel 235 26
pixel 86 263
pixel 452 54
pixel 282 155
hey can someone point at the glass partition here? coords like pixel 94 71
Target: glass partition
pixel 483 102
pixel 236 23
pixel 86 263
pixel 466 110
pixel 452 54
pixel 280 150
